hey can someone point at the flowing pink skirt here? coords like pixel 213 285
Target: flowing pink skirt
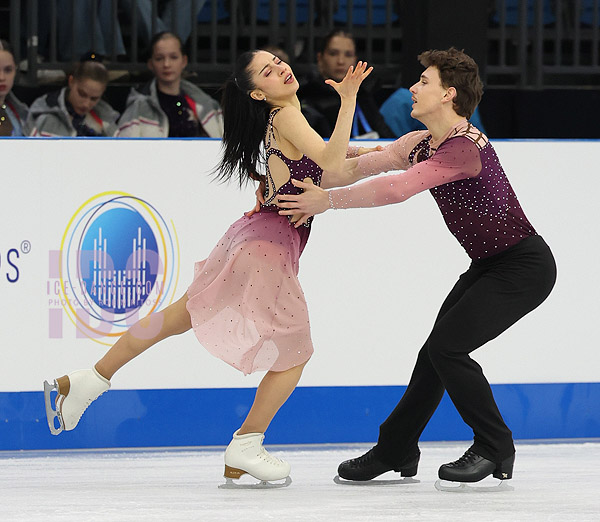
pixel 246 304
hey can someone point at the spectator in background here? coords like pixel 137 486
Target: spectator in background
pixel 320 103
pixel 78 109
pixel 397 113
pixel 169 106
pixel 13 113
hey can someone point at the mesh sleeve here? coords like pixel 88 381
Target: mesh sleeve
pixel 352 151
pixel 455 159
pixel 393 157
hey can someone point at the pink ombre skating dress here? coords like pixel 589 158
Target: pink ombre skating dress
pixel 246 304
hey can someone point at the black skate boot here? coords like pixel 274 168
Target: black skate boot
pixel 473 468
pixel 367 467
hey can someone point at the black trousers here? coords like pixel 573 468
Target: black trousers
pixel 488 298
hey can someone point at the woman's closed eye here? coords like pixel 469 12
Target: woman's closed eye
pixel 268 71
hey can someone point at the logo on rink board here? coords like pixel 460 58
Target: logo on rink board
pixel 118 262
pixel 10 263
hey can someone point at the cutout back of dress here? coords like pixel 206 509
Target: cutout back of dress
pixel 280 170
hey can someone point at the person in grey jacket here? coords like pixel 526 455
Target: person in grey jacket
pixel 13 112
pixel 170 106
pixel 76 110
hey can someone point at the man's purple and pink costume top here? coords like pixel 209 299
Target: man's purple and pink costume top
pixel 463 174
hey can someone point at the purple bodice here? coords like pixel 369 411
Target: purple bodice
pixel 299 170
pixel 483 212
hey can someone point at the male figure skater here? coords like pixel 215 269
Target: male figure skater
pixel 512 270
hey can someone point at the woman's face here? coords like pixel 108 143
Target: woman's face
pixel 334 61
pixel 84 94
pixel 8 71
pixel 273 78
pixel 167 61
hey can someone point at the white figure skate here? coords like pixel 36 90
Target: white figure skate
pixel 246 454
pixel 75 392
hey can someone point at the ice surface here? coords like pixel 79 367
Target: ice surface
pixel 553 481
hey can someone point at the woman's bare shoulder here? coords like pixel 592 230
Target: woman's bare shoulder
pixel 288 113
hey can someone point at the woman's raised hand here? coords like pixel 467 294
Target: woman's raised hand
pixel 348 87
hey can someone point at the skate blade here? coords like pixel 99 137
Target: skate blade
pixel 263 484
pixel 51 413
pixel 463 487
pixel 390 482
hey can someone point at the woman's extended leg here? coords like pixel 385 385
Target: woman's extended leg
pixel 173 320
pixel 76 391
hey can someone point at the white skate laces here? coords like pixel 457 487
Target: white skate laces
pixel 246 454
pixel 75 392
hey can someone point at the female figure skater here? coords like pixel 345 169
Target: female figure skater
pixel 512 269
pixel 245 303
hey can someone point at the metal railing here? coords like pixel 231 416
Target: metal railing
pixel 543 43
pixel 530 43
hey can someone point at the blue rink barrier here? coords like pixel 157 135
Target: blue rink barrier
pixel 313 415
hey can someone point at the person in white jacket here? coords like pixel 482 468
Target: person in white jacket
pixel 75 110
pixel 170 106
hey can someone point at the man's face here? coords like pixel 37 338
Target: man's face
pixel 428 94
pixel 334 61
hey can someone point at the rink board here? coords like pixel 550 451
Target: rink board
pixel 373 279
pixel 313 415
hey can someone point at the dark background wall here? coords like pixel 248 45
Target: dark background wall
pixel 553 113
pixel 506 113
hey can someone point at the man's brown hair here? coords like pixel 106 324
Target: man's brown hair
pixel 460 71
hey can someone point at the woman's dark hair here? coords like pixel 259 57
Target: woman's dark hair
pixel 163 35
pixel 244 125
pixel 460 71
pixel 90 70
pixel 5 46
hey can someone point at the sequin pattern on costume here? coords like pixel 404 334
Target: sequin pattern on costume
pixel 421 152
pixel 246 304
pixel 298 169
pixel 482 212
pixel 464 176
